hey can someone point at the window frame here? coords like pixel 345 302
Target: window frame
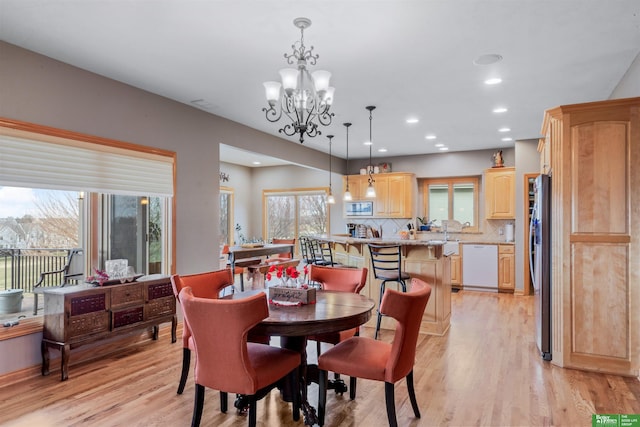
pixel 294 192
pixel 231 207
pixel 450 182
pixel 90 214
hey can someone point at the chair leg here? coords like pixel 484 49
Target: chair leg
pixel 224 402
pixel 35 303
pixel 318 348
pixel 352 388
pixel 197 406
pixel 382 286
pixel 242 282
pixel 412 394
pixel 323 383
pixel 252 411
pixel 186 361
pixel 389 397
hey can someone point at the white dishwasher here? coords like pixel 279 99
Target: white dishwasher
pixel 480 267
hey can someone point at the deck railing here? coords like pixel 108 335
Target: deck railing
pixel 21 268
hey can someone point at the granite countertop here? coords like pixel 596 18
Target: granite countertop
pixel 384 240
pixel 396 240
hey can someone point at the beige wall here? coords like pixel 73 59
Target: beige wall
pixel 37 89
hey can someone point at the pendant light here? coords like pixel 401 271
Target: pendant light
pixel 347 194
pixel 371 191
pixel 330 199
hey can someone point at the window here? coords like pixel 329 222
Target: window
pixel 226 216
pixel 290 214
pixel 452 199
pixel 111 199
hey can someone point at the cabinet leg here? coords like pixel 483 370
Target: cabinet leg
pixel 44 349
pixel 65 351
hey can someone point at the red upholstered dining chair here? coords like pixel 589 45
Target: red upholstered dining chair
pixel 203 285
pixel 341 279
pixel 246 368
pixel 368 358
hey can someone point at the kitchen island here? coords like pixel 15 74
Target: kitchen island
pixel 424 259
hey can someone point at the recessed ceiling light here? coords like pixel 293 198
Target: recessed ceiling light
pixel 504 130
pixel 507 139
pixel 444 148
pixel 439 145
pixel 493 81
pixel 382 150
pixel 256 163
pixel 430 137
pixel 488 59
pixel 500 110
pixel 368 143
pixel 412 120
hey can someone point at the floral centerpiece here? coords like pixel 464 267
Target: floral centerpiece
pixel 290 290
pixel 288 277
pixel 100 277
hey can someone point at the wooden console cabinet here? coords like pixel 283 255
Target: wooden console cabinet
pixel 81 314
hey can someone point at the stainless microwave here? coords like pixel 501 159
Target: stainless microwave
pixel 358 209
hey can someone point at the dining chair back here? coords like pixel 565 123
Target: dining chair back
pixel 226 361
pixel 203 285
pixel 386 263
pixel 363 357
pixel 283 255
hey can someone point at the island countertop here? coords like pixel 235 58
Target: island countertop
pixel 344 238
pixel 437 248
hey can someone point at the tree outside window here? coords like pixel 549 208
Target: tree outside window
pixel 294 213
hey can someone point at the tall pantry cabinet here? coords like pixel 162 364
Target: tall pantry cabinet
pixel 592 151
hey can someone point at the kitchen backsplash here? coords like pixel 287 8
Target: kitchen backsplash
pixel 492 231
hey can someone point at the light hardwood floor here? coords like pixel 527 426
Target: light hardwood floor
pixel 486 371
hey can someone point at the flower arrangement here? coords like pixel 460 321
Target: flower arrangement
pixel 100 277
pixel 288 276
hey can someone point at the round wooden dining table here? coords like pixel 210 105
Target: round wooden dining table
pixel 332 312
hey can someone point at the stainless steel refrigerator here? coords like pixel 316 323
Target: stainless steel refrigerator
pixel 540 262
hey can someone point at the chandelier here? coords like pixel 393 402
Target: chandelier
pixel 307 97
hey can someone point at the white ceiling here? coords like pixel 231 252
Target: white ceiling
pixel 408 58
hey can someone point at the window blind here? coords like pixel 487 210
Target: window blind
pixel 66 164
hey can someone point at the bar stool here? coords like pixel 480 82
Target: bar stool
pixel 386 263
pixel 317 254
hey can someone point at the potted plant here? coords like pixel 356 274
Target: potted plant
pixel 425 224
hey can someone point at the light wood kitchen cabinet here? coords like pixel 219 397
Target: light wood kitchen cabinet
pixel 394 193
pixel 595 261
pixel 506 268
pixel 456 271
pixel 357 186
pixel 544 148
pixel 500 193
